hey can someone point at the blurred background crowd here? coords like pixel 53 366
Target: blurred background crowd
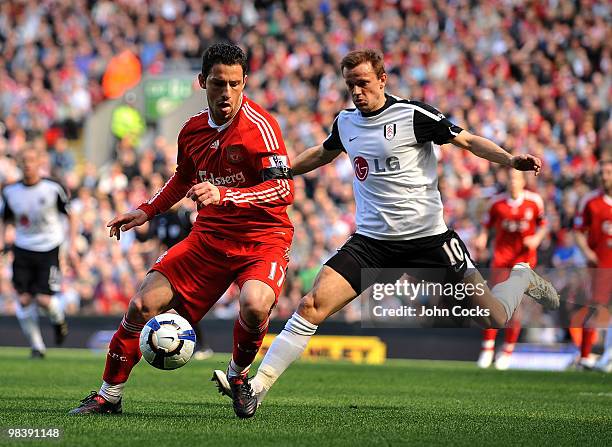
pixel 532 76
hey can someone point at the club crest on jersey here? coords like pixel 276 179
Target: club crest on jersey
pixel 361 168
pixel 234 154
pixel 390 130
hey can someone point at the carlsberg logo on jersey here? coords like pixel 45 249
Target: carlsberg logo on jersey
pixel 232 179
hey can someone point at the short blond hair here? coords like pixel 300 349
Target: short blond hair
pixel 358 57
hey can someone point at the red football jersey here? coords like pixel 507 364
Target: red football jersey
pixel 513 220
pixel 595 217
pixel 233 157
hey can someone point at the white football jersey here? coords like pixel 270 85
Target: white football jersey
pixel 35 210
pixel 395 167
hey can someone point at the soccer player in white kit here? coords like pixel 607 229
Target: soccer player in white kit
pixel 391 142
pixel 35 206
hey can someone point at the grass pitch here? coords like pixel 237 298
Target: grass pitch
pixel 313 404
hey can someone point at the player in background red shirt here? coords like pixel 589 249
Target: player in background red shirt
pixel 233 163
pixel 517 217
pixel 594 237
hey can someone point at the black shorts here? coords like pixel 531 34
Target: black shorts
pixel 440 258
pixel 36 272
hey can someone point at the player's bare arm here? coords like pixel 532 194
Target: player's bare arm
pixel 126 221
pixel 313 158
pixel 487 149
pixel 583 244
pixel 73 231
pixel 480 241
pixel 534 241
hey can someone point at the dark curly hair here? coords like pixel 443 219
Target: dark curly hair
pixel 223 53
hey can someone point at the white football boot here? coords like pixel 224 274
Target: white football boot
pixel 539 289
pixel 485 359
pixel 502 362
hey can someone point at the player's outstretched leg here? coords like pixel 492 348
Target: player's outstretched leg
pixel 52 307
pixel 250 328
pixel 511 335
pixel 588 339
pixel 539 289
pixel 27 315
pixel 154 297
pixel 487 350
pixel 605 361
pixel 506 296
pixel 331 292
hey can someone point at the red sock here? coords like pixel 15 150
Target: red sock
pixel 247 342
pixel 511 334
pixel 488 339
pixel 123 352
pixel 588 337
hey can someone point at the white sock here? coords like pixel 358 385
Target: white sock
pixel 55 311
pixel 287 347
pixel 510 292
pixel 28 320
pixel 605 357
pixel 488 345
pixel 235 370
pixel 112 393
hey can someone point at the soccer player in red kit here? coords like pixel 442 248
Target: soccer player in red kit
pixel 232 162
pixel 519 223
pixel 594 237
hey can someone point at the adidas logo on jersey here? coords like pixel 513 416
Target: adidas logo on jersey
pixel 215 144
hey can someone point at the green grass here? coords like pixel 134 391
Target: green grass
pixel 322 404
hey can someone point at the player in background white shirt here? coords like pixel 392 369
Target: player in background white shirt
pixel 391 144
pixel 35 206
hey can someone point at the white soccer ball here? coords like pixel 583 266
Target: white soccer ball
pixel 167 341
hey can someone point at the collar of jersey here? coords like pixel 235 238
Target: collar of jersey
pixel 388 103
pixel 31 184
pixel 607 199
pixel 518 201
pixel 222 127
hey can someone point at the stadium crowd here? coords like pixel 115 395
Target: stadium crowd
pixel 534 77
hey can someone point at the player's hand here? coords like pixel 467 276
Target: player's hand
pixel 591 258
pixel 204 194
pixel 526 162
pixel 531 242
pixel 73 256
pixel 126 221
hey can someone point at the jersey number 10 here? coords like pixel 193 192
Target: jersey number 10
pixel 454 252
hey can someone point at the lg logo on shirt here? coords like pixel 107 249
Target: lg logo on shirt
pixel 362 167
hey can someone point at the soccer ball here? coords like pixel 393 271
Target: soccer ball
pixel 167 341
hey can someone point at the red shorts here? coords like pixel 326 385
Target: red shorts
pixel 201 267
